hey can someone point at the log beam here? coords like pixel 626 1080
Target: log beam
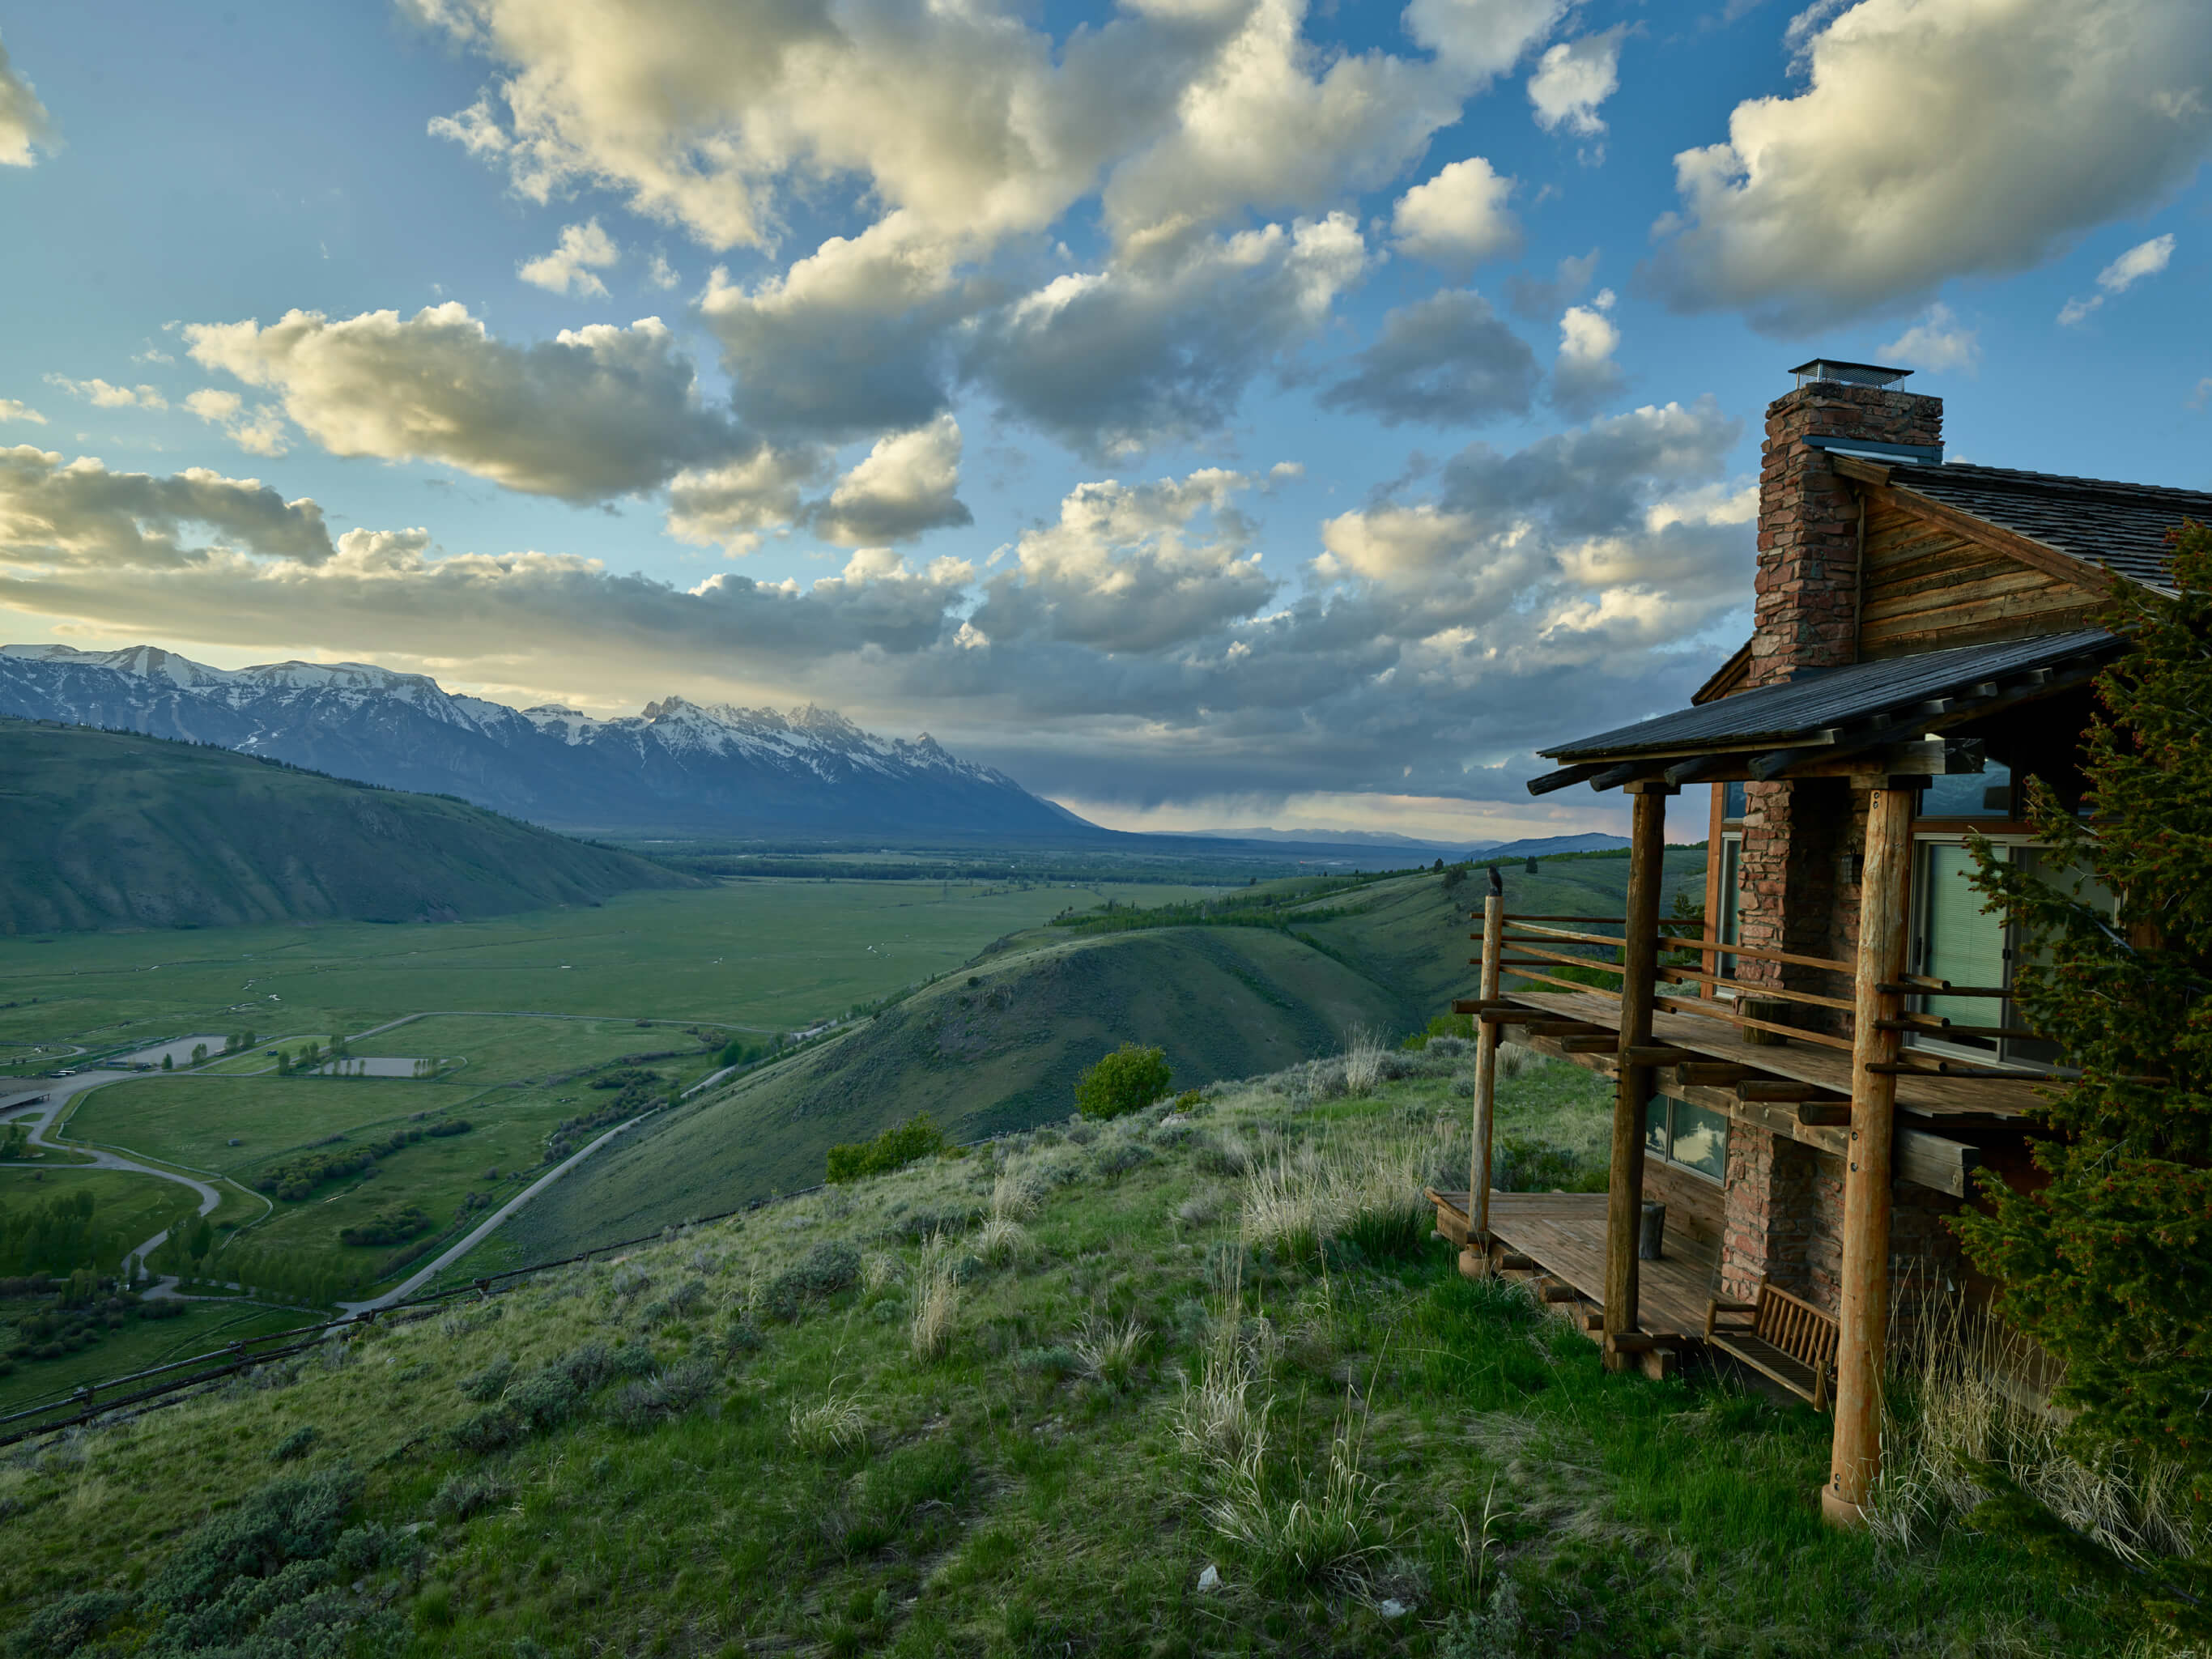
pixel 1884 892
pixel 1486 1070
pixel 1639 965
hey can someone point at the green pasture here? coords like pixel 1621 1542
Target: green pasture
pixel 758 955
pixel 509 1050
pixel 137 1207
pixel 139 1346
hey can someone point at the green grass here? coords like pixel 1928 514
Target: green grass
pixel 136 1205
pixel 759 956
pixel 203 1328
pixel 1000 1500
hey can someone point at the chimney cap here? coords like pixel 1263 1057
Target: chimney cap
pixel 1828 368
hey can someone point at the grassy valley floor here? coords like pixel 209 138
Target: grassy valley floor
pixel 1197 1381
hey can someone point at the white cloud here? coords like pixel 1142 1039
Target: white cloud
pixel 733 505
pixel 82 517
pixel 260 432
pixel 661 274
pixel 1123 571
pixel 1446 360
pixel 1572 79
pixel 905 485
pixel 1585 375
pixel 1938 138
pixel 2143 259
pixel 1114 361
pixel 569 268
pixel 1482 39
pixel 1937 341
pixel 593 413
pixel 24 122
pixel 10 409
pixel 102 395
pixel 1457 219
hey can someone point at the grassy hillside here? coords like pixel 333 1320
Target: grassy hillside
pixel 102 829
pixel 1197 1386
pixel 998 1048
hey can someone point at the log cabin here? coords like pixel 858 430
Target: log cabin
pixel 1809 1080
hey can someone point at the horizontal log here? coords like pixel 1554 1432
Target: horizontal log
pixel 1825 1114
pixel 1937 1162
pixel 1603 1043
pixel 1775 1091
pixel 1556 1027
pixel 1638 1342
pixel 1710 1073
pixel 1947 1028
pixel 1556 1291
pixel 1953 1068
pixel 1513 1261
pixel 1657 1054
pixel 1708 1010
pixel 1563 777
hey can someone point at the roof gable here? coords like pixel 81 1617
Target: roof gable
pixel 2121 526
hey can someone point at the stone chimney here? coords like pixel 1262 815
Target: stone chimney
pixel 1805 608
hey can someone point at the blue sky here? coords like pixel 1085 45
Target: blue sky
pixel 1213 411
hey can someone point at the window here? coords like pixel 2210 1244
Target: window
pixel 1686 1136
pixel 1984 794
pixel 1728 921
pixel 1954 938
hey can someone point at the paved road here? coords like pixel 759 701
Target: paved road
pixel 59 1092
pixel 409 1286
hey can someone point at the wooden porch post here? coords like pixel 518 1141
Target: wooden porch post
pixel 1639 965
pixel 1861 1349
pixel 1485 1078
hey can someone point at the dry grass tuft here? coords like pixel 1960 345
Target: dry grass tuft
pixel 1109 1351
pixel 1326 1530
pixel 936 1302
pixel 1001 1241
pixel 879 1268
pixel 1295 1199
pixel 1966 1419
pixel 833 1423
pixel 1017 1193
pixel 1363 1062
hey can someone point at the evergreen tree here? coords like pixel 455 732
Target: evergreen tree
pixel 2110 1266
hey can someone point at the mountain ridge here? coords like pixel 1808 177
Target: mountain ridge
pixel 677 764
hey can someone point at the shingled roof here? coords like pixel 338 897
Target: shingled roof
pixel 2121 526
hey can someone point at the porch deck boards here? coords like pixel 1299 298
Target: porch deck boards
pixel 1933 1097
pixel 1563 1233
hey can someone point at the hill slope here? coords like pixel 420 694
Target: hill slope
pixel 112 830
pixel 1144 1422
pixel 996 1050
pixel 677 765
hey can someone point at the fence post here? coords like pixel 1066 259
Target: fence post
pixel 1486 1077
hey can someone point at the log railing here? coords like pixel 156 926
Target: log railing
pixel 1529 945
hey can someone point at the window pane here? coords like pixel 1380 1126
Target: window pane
pixel 1732 799
pixel 1700 1139
pixel 1959 942
pixel 1655 1127
pixel 2076 883
pixel 1984 794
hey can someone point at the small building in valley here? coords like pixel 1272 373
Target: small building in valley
pixel 1809 1078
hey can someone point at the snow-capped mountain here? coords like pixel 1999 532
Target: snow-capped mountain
pixel 677 766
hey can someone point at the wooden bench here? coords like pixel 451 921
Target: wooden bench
pixel 1781 1336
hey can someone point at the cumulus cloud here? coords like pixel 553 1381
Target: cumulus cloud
pixel 10 409
pixel 1584 375
pixel 1482 39
pixel 102 395
pixel 259 433
pixel 1937 138
pixel 24 122
pixel 591 414
pixel 1538 298
pixel 2143 259
pixel 1937 341
pixel 1112 361
pixel 570 267
pixel 905 485
pixel 1572 79
pixel 1123 571
pixel 82 517
pixel 1446 360
pixel 733 505
pixel 1264 125
pixel 1457 219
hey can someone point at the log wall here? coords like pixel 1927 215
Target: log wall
pixel 1924 588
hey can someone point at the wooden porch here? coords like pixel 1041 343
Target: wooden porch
pixel 1561 1237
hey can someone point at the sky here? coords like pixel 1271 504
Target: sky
pixel 1212 412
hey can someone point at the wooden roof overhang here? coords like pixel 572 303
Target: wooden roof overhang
pixel 1868 718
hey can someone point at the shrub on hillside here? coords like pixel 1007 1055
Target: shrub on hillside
pixel 387 1226
pixel 910 1142
pixel 1127 1081
pixel 830 1266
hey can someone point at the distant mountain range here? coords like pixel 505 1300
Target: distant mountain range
pixel 678 766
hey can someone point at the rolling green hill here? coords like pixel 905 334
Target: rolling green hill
pixel 999 1048
pixel 107 830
